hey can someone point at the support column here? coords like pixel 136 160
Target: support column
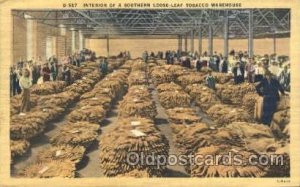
pixel 107 45
pixel 274 33
pixel 81 40
pixel 200 42
pixel 73 41
pixel 250 37
pixel 179 43
pixel 226 24
pixel 210 40
pixel 185 42
pixel 192 41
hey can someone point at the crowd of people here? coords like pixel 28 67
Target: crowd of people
pixel 270 72
pixel 24 74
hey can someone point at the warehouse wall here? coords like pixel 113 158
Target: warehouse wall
pixel 137 46
pixel 28 46
pixel 19 38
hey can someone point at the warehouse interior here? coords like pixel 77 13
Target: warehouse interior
pixel 143 102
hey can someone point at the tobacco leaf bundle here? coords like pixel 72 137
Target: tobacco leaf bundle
pixel 76 134
pixel 282 167
pixel 249 101
pixel 18 147
pixel 221 168
pixel 177 70
pixel 137 78
pixel 191 78
pixel 98 92
pixel 170 87
pixel 225 114
pixel 62 99
pixel 28 126
pixel 115 85
pixel 61 153
pixel 280 122
pixel 256 136
pixel 138 65
pixel 100 100
pixel 180 115
pixel 94 75
pixel 138 91
pixel 137 107
pixel 149 142
pixel 222 78
pixel 92 114
pixel 160 76
pixel 188 138
pixel 284 103
pixel 47 88
pixel 233 94
pixel 174 99
pixel 79 87
pixel 204 97
pixel 65 169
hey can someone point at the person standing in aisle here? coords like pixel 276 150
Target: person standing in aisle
pixel 198 65
pixel 210 80
pixel 46 73
pixel 25 84
pixel 238 73
pixel 145 56
pixel 285 78
pixel 259 72
pixel 269 89
pixel 54 71
pixel 66 74
pixel 250 69
pixel 224 67
pixel 104 66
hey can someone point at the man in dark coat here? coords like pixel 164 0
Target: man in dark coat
pixel 198 65
pixel 238 73
pixel 269 88
pixel 225 65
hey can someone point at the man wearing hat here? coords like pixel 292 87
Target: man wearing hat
pixel 238 73
pixel 269 89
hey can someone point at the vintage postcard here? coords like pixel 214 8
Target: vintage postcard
pixel 149 93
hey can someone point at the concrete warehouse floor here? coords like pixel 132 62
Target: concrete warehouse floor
pixel 89 166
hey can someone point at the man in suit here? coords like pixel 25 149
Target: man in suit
pixel 269 89
pixel 238 72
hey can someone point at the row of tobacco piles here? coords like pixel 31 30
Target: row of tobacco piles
pixel 135 131
pixel 89 98
pixel 235 129
pixel 231 107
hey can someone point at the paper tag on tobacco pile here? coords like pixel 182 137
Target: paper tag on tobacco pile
pixel 74 131
pixel 234 150
pixel 135 123
pixel 43 170
pixel 94 98
pixel 58 153
pixel 137 133
pixel 45 109
pixel 83 78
